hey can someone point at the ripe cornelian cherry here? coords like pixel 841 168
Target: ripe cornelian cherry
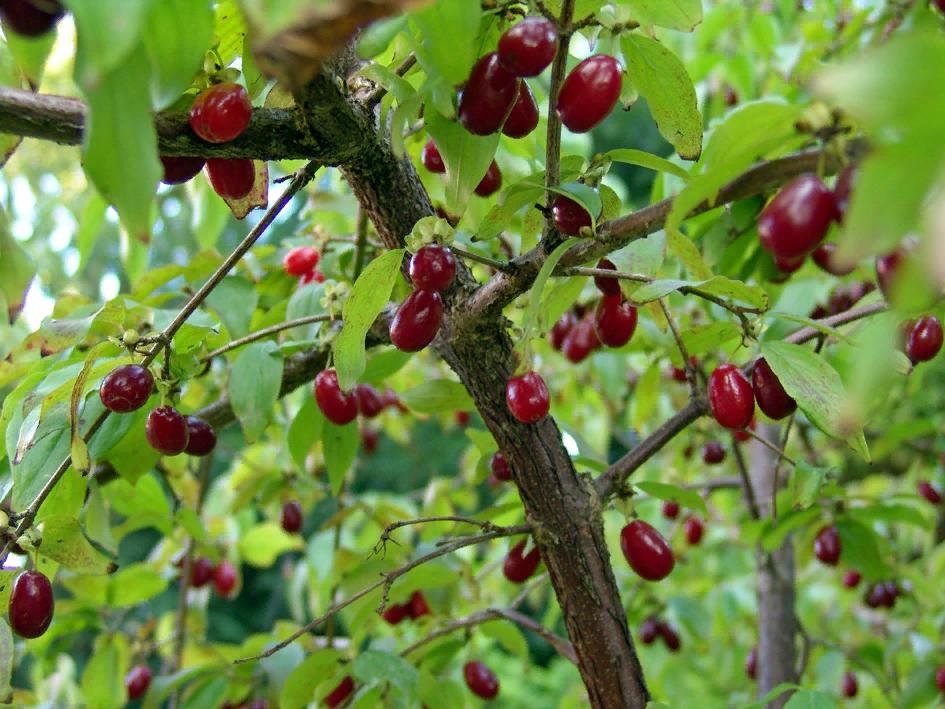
pixel 526 48
pixel 368 400
pixel 395 612
pixel 418 605
pixel 925 339
pixel 232 179
pixel 369 439
pixel 670 509
pixel 843 189
pixel 940 672
pixel 225 577
pixel 713 452
pixel 310 277
pixel 646 551
pixel 888 267
pixel 928 491
pixel 560 329
pixel 797 219
pixel 825 257
pixel 339 693
pixel 180 169
pixel 290 516
pixel 852 578
pixel 827 546
pixel 481 680
pixel 524 116
pixel 335 405
pixel 649 629
pixel 433 268
pixel 166 430
pixel 589 93
pixel 488 96
pixel 569 216
pixel 31 604
pixel 694 530
pixel 300 260
pixel 30 18
pixel 416 321
pixel 751 663
pixel 137 681
pixel 730 397
pixel 201 572
pixel 201 438
pixel 581 340
pixel 126 388
pixel 849 686
pixel 769 393
pixel 221 112
pixel 879 595
pixel 499 467
pixel 607 286
pixel 527 397
pixel 517 568
pixel 615 320
pixel 490 182
pixel 670 636
pixel 431 158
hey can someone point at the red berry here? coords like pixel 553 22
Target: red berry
pixel 337 407
pixel 395 612
pixel 849 686
pixel 687 452
pixel 569 216
pixel 29 18
pixel 851 579
pixel 221 112
pixel 339 693
pixel 786 267
pixel 560 329
pixel 389 398
pixel 827 546
pixel 730 397
pixel 925 339
pixel 488 96
pixel 180 169
pixel 481 680
pixel 877 596
pixel 316 276
pixel 369 440
pixel 431 158
pixel 927 491
pixel 519 569
pixel 772 399
pixel 825 257
pixel 743 435
pixel 126 388
pixel 751 663
pixel 232 179
pixel 31 604
pixel 649 629
pixel 694 530
pixel 646 551
pixel 418 606
pixel 940 672
pixel 225 577
pixel 524 116
pixel 300 260
pixel 607 286
pixel 201 438
pixel 368 401
pixel 842 190
pixel 677 374
pixel 490 182
pixel 416 321
pixel 670 636
pixel 525 49
pixel 166 430
pixel 432 268
pixel 615 320
pixel 581 341
pixel 713 452
pixel 670 509
pixel 589 93
pixel 290 516
pixel 797 219
pixel 137 681
pixel 888 267
pixel 527 397
pixel 462 418
pixel 499 467
pixel 201 572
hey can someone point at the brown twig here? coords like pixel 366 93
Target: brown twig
pixel 265 332
pixel 746 479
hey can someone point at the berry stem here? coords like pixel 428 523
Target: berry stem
pixel 264 333
pixel 746 478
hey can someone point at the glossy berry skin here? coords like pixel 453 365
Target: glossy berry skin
pixel 433 268
pixel 201 438
pixel 180 169
pixel 31 604
pixel 560 329
pixel 849 686
pixel 580 341
pixel 499 467
pixel 300 260
pixel 569 216
pixel 481 680
pixel 166 430
pixel 488 96
pixel 694 530
pixel 670 636
pixel 137 681
pixel 827 546
pixel 824 256
pixel 418 606
pixel 526 48
pixel 517 568
pixel 751 663
pixel 368 401
pixel 940 672
pixel 201 572
pixel 26 19
pixel 524 116
pixel 431 158
pixel 770 395
pixel 490 182
pixel 615 320
pixel 670 509
pixel 339 693
pixel 126 388
pixel 527 397
pixel 852 578
pixel 925 339
pixel 713 452
pixel 337 407
pixel 887 270
pixel 589 93
pixel 730 397
pixel 797 219
pixel 649 629
pixel 221 112
pixel 225 577
pixel 232 179
pixel 416 321
pixel 646 551
pixel 843 189
pixel 607 286
pixel 927 491
pixel 290 516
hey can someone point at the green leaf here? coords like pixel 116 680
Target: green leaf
pixel 261 545
pixel 376 37
pixel 163 685
pixel 892 513
pixel 107 32
pixel 254 386
pixel 535 297
pixel 563 295
pixel 860 548
pixel 103 681
pixel 31 54
pixel 304 431
pixel 807 483
pixel 65 543
pixel 640 158
pixel 280 665
pixel 6 660
pixel 373 666
pixel 306 302
pixel 499 217
pixel 209 694
pixel 810 699
pixel 508 634
pixel 686 498
pixel 682 15
pixel 438 396
pixel 661 78
pixel 190 521
pixel 97 526
pixel 586 196
pixel 383 364
pixel 447 40
pixel 813 323
pixel 773 536
pixel 364 303
pixel 299 687
pixel 132 457
pixel 646 395
pixel 704 338
pixel 175 55
pixel 90 223
pixel 339 447
pixel 234 300
pixel 920 689
pixel 16 271
pixel 135 584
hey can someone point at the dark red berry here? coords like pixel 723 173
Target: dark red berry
pixel 517 568
pixel 888 267
pixel 31 604
pixel 431 158
pixel 687 452
pixel 527 397
pixel 927 491
pixel 462 418
pixel 232 179
pixel 488 96
pixel 730 397
pixel 925 339
pixel 368 401
pixel 569 216
pixel 201 438
pixel 670 636
pixel 481 680
pixel 290 516
pixel 526 48
pixel 694 530
pixel 940 672
pixel 649 629
pixel 418 606
pixel 751 663
pixel 677 374
pixel 797 219
pixel 825 257
pixel 786 267
pixel 432 268
pixel 849 686
pixel 339 693
pixel 29 18
pixel 560 329
pixel 581 340
pixel 670 509
pixel 499 467
pixel 839 301
pixel 126 388
pixel 221 112
pixel 166 430
pixel 743 435
pixel 713 452
pixel 827 546
pixel 180 169
pixel 336 406
pixel 524 116
pixel 300 260
pixel 607 286
pixel 316 276
pixel 369 439
pixel 616 320
pixel 201 572
pixel 589 93
pixel 395 612
pixel 731 98
pixel 646 551
pixel 490 182
pixel 137 681
pixel 390 398
pixel 416 321
pixel 851 579
pixel 770 395
pixel 225 577
pixel 843 189
pixel 878 596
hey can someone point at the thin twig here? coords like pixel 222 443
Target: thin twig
pixel 746 479
pixel 377 94
pixel 690 372
pixel 385 535
pixel 497 265
pixel 265 332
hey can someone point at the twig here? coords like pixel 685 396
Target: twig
pixel 377 94
pixel 690 372
pixel 497 265
pixel 361 244
pixel 265 332
pixel 385 535
pixel 746 479
pixel 777 469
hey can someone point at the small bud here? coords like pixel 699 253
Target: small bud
pixel 130 338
